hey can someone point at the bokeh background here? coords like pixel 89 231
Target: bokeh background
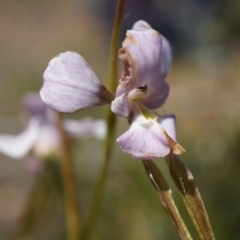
pixel 205 97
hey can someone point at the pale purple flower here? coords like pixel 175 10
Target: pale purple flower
pixel 70 84
pixel 41 139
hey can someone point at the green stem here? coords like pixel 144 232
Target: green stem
pixel 73 223
pixel 184 180
pixel 115 38
pixel 165 194
pixel 111 123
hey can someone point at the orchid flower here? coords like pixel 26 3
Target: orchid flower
pixel 70 84
pixel 41 139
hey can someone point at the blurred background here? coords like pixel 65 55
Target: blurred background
pixel 204 96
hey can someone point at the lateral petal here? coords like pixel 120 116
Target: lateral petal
pixel 166 56
pixel 141 25
pixel 70 84
pixel 20 145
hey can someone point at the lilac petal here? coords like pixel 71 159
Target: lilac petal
pixel 81 129
pixel 70 84
pixel 99 129
pixel 166 56
pixel 48 142
pixel 168 124
pixel 144 140
pixel 141 25
pixel 142 56
pixel 19 146
pixel 156 95
pixel 120 106
pixel 33 105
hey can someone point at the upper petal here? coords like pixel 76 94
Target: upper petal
pixel 70 84
pixel 166 57
pixel 141 25
pixel 142 57
pixel 18 146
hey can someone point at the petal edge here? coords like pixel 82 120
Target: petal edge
pixel 70 84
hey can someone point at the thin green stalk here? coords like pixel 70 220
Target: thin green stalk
pixel 165 194
pixel 73 223
pixel 111 123
pixel 184 180
pixel 115 38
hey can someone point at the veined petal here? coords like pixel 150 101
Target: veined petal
pixel 166 57
pixel 141 25
pixel 142 57
pixel 144 140
pixel 85 128
pixel 20 145
pixel 120 106
pixel 70 84
pixel 150 139
pixel 156 95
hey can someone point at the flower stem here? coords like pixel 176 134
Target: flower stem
pixel 73 223
pixel 113 60
pixel 166 198
pixel 184 180
pixel 111 123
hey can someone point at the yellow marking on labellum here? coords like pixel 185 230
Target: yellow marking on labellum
pixel 148 114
